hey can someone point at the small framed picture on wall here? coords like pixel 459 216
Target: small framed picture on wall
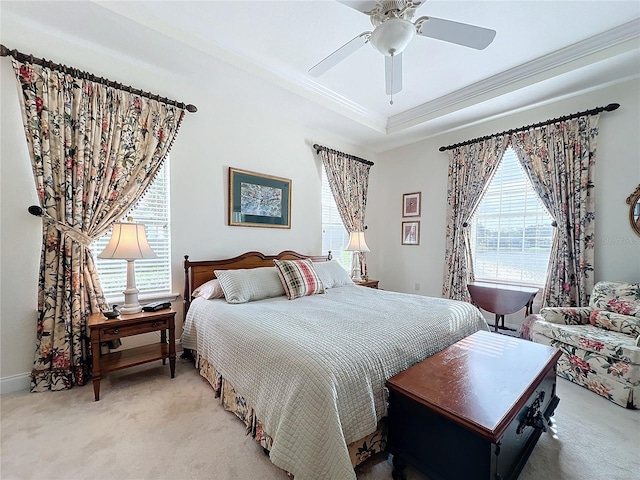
pixel 411 233
pixel 411 204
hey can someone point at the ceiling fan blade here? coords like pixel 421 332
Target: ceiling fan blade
pixel 339 55
pixel 460 33
pixel 393 73
pixel 360 5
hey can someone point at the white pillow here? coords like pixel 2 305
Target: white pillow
pixel 247 285
pixel 209 290
pixel 332 274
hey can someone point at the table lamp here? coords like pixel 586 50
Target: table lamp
pixel 129 242
pixel 357 244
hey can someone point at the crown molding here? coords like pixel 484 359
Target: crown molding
pixel 367 117
pixel 593 49
pixel 281 75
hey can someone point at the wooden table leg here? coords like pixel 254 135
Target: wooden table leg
pixel 172 347
pixel 163 340
pixel 95 373
pixel 529 307
pixel 399 466
pixel 96 389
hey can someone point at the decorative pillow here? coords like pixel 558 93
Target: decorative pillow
pixel 248 285
pixel 209 290
pixel 566 315
pixel 615 322
pixel 298 278
pixel 332 274
pixel 617 297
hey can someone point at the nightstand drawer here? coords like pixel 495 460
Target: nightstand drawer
pixel 151 325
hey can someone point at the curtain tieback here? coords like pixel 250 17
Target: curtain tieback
pixel 73 233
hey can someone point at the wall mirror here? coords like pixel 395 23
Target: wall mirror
pixel 634 210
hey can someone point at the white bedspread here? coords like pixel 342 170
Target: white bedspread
pixel 314 368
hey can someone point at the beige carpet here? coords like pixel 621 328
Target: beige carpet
pixel 147 426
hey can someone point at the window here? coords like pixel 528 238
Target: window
pixel 511 231
pixel 153 276
pixel 334 236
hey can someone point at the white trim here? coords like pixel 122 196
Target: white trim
pixel 281 75
pixel 145 298
pixel 586 52
pixel 609 43
pixel 505 113
pixel 15 383
pixel 22 381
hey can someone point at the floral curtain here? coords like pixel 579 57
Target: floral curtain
pixel 559 159
pixel 470 169
pixel 349 182
pixel 94 150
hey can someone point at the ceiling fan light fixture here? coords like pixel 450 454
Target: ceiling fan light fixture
pixel 393 36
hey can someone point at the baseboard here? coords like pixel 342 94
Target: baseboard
pixel 15 383
pixel 513 332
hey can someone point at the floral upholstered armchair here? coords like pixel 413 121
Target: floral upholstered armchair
pixel 600 343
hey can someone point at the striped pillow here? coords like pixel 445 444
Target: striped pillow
pixel 298 278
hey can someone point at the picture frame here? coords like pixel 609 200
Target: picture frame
pixel 259 200
pixel 411 204
pixel 411 233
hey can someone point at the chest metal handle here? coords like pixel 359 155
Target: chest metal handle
pixel 116 331
pixel 534 417
pixel 154 324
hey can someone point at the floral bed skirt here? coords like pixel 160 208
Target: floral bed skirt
pixel 359 450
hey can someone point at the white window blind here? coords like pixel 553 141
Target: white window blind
pixel 152 275
pixel 334 236
pixel 511 231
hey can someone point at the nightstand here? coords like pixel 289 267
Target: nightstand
pixel 369 283
pixel 105 329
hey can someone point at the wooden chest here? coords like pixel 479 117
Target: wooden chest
pixel 474 410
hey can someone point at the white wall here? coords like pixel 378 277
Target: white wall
pixel 227 132
pixel 421 167
pixel 224 132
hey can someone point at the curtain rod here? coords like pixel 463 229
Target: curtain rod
pixel 331 150
pixel 609 108
pixel 23 57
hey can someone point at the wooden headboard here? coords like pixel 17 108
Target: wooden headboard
pixel 197 273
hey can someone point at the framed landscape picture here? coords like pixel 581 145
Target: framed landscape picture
pixel 411 204
pixel 258 200
pixel 411 233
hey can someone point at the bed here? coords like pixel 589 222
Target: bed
pixel 307 375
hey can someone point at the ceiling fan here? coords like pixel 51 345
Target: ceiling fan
pixel 393 31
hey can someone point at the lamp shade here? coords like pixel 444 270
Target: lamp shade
pixel 393 36
pixel 128 242
pixel 357 243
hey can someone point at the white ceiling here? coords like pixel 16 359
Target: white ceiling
pixel 543 50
